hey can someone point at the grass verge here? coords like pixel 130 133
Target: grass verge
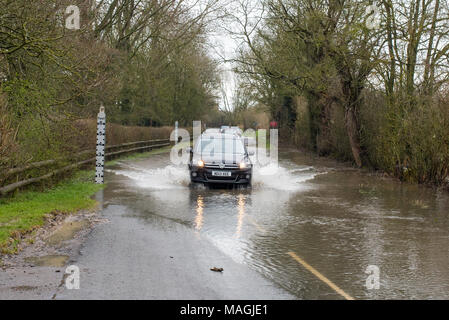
pixel 26 211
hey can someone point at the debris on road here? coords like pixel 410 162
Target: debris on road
pixel 215 269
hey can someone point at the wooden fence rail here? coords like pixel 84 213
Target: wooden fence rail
pixel 151 144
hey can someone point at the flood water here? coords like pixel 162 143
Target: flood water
pixel 336 219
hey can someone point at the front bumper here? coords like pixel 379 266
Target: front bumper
pixel 204 175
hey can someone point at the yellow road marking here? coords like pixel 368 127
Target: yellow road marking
pixel 320 276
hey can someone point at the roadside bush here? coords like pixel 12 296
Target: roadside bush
pixel 412 145
pixel 7 136
pixel 338 135
pixel 331 139
pixel 253 116
pixel 378 131
pixel 302 135
pixel 86 130
pixel 38 139
pixel 426 139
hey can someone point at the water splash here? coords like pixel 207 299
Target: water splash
pixel 281 178
pixel 170 177
pixel 173 177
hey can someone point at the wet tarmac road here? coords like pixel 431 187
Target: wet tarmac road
pixel 309 231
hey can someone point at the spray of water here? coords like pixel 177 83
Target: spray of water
pixel 175 177
pixel 170 177
pixel 281 178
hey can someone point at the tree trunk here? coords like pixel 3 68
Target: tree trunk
pixel 353 134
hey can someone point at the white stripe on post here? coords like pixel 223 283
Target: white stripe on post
pixel 176 132
pixel 101 146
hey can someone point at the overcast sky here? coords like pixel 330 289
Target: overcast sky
pixel 224 45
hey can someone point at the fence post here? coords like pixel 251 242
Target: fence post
pixel 176 132
pixel 101 146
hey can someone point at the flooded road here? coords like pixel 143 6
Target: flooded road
pixel 310 229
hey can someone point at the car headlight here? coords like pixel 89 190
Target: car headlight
pixel 200 163
pixel 243 165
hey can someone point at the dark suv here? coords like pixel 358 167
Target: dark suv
pixel 220 158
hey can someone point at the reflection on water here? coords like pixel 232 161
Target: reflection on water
pixel 241 214
pixel 199 213
pixel 337 219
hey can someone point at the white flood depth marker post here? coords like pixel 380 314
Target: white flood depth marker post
pixel 176 132
pixel 101 146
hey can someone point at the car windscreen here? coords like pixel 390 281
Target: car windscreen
pixel 218 145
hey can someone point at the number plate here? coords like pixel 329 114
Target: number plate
pixel 221 173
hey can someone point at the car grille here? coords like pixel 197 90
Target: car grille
pixel 217 166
